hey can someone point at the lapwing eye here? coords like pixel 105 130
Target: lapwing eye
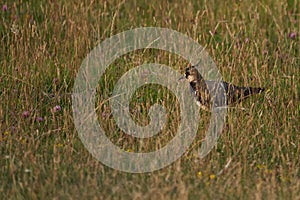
pixel 187 73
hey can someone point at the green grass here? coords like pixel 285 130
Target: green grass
pixel 42 48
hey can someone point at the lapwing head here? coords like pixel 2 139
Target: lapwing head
pixel 191 74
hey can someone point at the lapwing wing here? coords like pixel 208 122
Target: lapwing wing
pixel 231 93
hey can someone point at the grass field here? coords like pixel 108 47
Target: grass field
pixel 42 47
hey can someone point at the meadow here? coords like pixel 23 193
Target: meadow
pixel 252 42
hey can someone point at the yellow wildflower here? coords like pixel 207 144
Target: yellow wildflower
pixel 212 176
pixel 59 145
pixel 199 174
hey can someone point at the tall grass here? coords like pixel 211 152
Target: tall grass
pixel 43 45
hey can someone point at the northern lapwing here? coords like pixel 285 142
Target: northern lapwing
pixel 224 93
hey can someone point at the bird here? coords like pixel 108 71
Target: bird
pixel 225 93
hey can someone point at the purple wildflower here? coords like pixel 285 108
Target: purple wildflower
pixel 39 119
pixel 292 35
pixel 4 8
pixel 57 108
pixel 105 114
pixel 25 114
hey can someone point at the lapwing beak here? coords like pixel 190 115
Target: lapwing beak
pixel 183 77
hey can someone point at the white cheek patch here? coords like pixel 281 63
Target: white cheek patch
pixel 190 78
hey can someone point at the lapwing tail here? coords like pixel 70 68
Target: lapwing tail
pixel 247 91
